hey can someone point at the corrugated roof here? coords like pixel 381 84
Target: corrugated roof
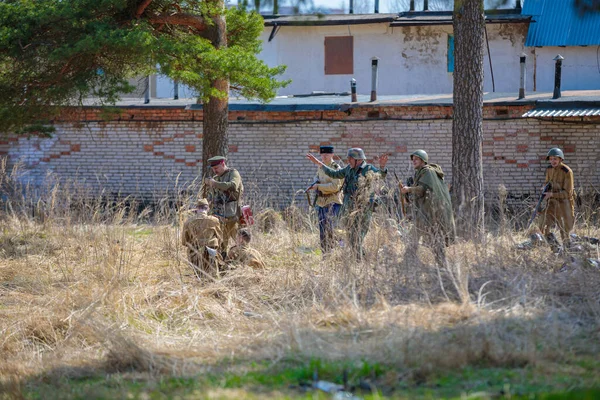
pixel 559 23
pixel 564 110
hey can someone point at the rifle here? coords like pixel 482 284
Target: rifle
pixel 539 203
pixel 402 198
pixel 308 194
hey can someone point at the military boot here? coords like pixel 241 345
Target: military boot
pixel 553 242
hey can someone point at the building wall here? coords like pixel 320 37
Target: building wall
pixel 149 152
pixel 412 60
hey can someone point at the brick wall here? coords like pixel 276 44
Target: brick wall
pixel 147 151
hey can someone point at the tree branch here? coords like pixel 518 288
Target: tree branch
pixel 190 20
pixel 142 7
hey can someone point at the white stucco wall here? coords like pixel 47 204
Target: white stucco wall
pixel 580 68
pixel 413 60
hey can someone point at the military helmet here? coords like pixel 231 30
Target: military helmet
pixel 555 151
pixel 421 154
pixel 357 153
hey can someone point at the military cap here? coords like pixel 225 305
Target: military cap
pixel 556 152
pixel 326 150
pixel 357 153
pixel 421 154
pixel 216 160
pixel 202 203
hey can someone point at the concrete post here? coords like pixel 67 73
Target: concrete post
pixel 353 90
pixel 522 59
pixel 147 91
pixel 557 75
pixel 374 62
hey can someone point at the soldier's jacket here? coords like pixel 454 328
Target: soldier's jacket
pixel 433 207
pixel 225 196
pixel 562 186
pixel 357 181
pixel 245 255
pixel 329 189
pixel 201 230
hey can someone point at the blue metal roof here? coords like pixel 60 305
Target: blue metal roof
pixel 559 23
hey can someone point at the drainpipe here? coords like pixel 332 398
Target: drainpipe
pixel 522 59
pixel 518 7
pixel 557 72
pixel 351 7
pixel 376 6
pixel 425 5
pixel 353 90
pixel 374 62
pixel 412 5
pixel 175 90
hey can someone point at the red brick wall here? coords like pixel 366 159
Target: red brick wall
pixel 150 150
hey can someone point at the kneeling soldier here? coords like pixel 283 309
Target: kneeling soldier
pixel 202 236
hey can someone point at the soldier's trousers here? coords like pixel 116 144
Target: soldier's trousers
pixel 357 225
pixel 229 227
pixel 561 213
pixel 327 216
pixel 202 262
pixel 434 239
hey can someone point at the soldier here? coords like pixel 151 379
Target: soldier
pixel 225 191
pixel 329 198
pixel 432 207
pixel 560 198
pixel 202 236
pixel 243 254
pixel 359 196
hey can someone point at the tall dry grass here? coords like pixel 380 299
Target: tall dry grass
pixel 91 284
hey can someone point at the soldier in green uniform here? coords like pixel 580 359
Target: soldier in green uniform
pixel 433 215
pixel 224 192
pixel 359 196
pixel 560 199
pixel 329 198
pixel 200 233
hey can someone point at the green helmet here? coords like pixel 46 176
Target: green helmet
pixel 421 154
pixel 555 152
pixel 357 153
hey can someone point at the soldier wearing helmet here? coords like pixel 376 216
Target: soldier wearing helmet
pixel 201 235
pixel 560 198
pixel 359 195
pixel 433 209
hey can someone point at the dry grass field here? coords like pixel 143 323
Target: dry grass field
pixel 97 301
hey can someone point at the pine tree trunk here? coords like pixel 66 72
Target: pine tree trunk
pixel 467 125
pixel 215 122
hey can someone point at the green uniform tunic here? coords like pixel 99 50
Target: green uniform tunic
pixel 359 198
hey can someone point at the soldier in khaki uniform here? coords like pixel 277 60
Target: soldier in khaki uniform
pixel 434 219
pixel 225 191
pixel 329 198
pixel 560 198
pixel 243 254
pixel 201 232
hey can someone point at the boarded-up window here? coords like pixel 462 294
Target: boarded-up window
pixel 339 55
